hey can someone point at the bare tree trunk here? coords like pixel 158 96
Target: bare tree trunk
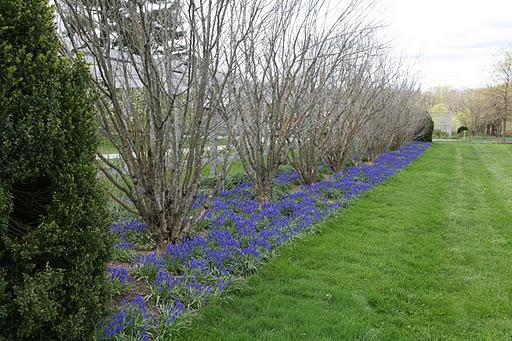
pixel 263 190
pixel 504 129
pixel 161 245
pixel 336 158
pixel 214 155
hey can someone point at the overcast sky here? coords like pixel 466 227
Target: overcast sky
pixel 453 41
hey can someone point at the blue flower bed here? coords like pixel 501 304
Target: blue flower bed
pixel 241 234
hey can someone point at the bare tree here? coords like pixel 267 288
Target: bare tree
pixel 333 93
pixel 159 84
pixel 364 95
pixel 502 91
pixel 278 80
pixel 398 118
pixel 474 105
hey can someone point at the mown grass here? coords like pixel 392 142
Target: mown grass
pixel 479 138
pixel 234 166
pixel 106 146
pixel 427 255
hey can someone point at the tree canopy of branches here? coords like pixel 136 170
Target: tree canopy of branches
pixel 280 80
pixel 157 103
pixel 484 110
pixel 501 92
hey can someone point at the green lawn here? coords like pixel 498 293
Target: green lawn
pixel 479 138
pixel 235 166
pixel 426 256
pixel 106 146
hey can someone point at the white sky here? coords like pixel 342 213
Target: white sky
pixel 454 42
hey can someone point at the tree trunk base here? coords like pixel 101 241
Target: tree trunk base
pixel 161 247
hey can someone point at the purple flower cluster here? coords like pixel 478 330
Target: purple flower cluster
pixel 287 177
pixel 119 274
pixel 131 319
pixel 243 232
pixel 129 233
pixel 124 245
pixel 118 277
pixel 170 312
pixel 126 226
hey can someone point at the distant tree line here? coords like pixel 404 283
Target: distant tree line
pixel 486 110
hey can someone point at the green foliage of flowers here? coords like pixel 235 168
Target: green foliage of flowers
pixel 124 255
pixel 279 191
pixel 52 282
pixel 333 193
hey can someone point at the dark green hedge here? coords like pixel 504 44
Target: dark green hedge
pixel 425 129
pixel 236 179
pixel 54 240
pixel 461 129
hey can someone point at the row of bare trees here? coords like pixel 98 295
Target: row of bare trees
pixel 279 81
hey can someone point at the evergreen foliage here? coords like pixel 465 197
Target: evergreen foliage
pixel 425 129
pixel 54 241
pixel 461 129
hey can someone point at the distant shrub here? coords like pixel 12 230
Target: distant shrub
pixel 439 134
pixel 425 129
pixel 285 169
pixel 208 182
pixel 461 129
pixel 236 179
